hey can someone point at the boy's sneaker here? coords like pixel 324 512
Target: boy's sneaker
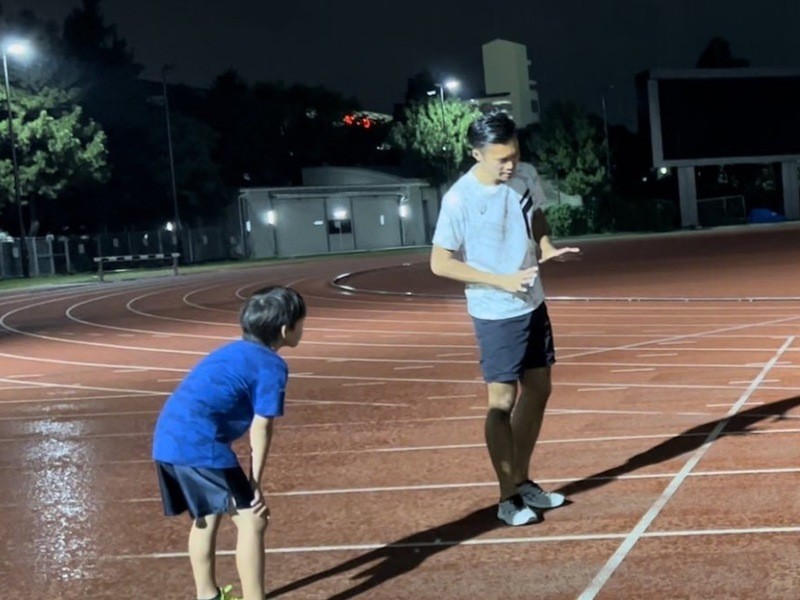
pixel 514 512
pixel 535 497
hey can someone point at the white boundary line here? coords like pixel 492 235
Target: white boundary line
pixel 591 537
pixel 641 527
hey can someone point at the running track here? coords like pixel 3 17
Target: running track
pixel 673 428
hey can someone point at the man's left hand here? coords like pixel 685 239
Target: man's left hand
pixel 559 254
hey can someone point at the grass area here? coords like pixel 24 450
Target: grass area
pixel 166 271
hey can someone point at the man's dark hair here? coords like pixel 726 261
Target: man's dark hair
pixel 269 309
pixel 496 127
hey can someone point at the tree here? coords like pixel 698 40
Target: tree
pixel 201 190
pixel 58 147
pixel 718 55
pixel 433 136
pixel 570 149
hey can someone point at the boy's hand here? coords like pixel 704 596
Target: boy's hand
pixel 259 504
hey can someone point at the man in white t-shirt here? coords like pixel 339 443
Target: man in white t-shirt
pixel 490 224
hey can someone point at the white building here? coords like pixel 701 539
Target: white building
pixel 508 83
pixel 338 209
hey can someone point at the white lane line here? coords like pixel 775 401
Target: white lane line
pixel 24 376
pixel 728 404
pixel 596 411
pixel 437 543
pixel 79 416
pixel 72 398
pixel 414 367
pixel 176 379
pixel 132 370
pixel 698 335
pixel 465 485
pixel 452 397
pixel 677 343
pixel 637 370
pixel 479 381
pixel 406 449
pixel 745 382
pixel 644 523
pixel 15 387
pixel 365 404
pixel 363 383
pixel 657 354
pixel 454 354
pixel 603 389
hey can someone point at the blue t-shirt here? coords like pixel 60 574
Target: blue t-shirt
pixel 215 405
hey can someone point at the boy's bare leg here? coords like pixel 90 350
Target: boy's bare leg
pixel 499 439
pixel 250 552
pixel 527 417
pixel 202 550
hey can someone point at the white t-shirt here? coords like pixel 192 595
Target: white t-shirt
pixel 486 223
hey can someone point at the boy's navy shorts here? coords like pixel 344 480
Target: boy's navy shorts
pixel 202 491
pixel 509 347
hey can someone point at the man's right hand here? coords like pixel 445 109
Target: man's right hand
pixel 519 281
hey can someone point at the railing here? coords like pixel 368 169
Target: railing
pixel 58 255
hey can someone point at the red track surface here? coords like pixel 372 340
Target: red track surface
pixel 672 427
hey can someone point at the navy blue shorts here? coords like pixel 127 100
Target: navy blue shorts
pixel 509 347
pixel 202 491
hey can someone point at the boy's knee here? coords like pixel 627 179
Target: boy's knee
pixel 248 519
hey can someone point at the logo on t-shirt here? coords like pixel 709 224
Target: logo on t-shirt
pixel 526 204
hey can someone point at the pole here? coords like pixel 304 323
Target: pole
pixel 605 130
pixel 176 213
pixel 444 133
pixel 23 251
pixel 612 208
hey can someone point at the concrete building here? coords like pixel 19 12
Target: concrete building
pixel 338 209
pixel 509 86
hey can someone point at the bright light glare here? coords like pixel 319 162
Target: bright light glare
pixel 663 170
pixel 17 48
pixel 452 84
pixel 340 214
pixel 170 226
pixel 271 217
pixel 404 211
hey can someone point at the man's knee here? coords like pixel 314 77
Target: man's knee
pixel 501 396
pixel 537 384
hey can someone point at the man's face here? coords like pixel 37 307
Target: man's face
pixel 497 161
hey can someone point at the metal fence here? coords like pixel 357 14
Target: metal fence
pixel 61 255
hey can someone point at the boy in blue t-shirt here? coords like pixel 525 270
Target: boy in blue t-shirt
pixel 236 388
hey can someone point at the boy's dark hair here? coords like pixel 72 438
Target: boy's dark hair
pixel 269 309
pixel 496 127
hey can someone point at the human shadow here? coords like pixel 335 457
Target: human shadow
pixel 739 424
pixel 406 554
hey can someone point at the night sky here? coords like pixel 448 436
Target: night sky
pixel 577 47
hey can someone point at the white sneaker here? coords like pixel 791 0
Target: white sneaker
pixel 535 497
pixel 514 512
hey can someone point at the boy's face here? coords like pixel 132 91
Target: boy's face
pixel 292 337
pixel 497 161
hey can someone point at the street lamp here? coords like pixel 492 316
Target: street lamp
pixel 176 214
pixel 15 49
pixel 452 85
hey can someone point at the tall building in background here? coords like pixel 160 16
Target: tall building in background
pixel 509 86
